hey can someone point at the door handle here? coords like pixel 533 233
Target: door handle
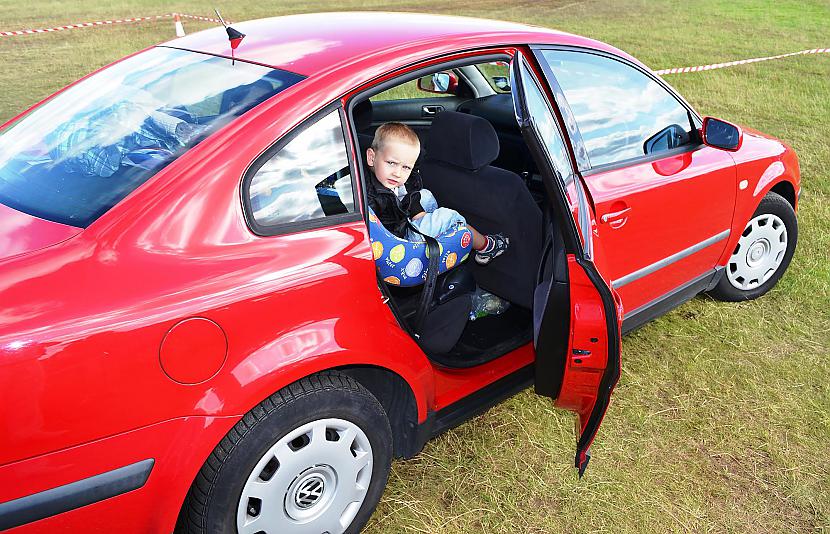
pixel 431 110
pixel 614 215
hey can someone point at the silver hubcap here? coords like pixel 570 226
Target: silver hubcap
pixel 759 252
pixel 312 480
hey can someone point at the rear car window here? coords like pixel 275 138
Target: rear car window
pixel 73 158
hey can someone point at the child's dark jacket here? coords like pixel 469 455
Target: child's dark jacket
pixel 394 214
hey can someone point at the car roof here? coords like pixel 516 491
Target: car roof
pixel 311 44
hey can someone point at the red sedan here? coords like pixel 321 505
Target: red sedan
pixel 195 331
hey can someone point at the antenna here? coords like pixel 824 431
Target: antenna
pixel 215 10
pixel 234 36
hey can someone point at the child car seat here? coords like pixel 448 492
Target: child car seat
pixel 401 262
pixel 405 263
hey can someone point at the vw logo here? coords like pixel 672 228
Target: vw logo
pixel 309 492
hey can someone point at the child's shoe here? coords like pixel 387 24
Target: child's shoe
pixel 496 245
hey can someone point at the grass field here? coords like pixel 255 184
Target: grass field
pixel 721 420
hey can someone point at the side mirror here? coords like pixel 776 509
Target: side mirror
pixel 666 139
pixel 440 82
pixel 721 134
pixel 501 83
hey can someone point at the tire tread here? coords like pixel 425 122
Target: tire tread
pixel 193 518
pixel 771 203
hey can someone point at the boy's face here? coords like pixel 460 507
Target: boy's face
pixel 393 162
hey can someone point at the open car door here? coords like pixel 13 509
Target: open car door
pixel 577 317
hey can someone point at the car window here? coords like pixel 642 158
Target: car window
pixel 406 91
pixel 545 124
pixel 73 158
pixel 308 178
pixel 497 75
pixel 548 132
pixel 621 112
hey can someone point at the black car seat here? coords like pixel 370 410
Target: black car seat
pixel 457 170
pixel 362 116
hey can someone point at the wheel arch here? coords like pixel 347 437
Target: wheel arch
pixel 783 185
pixel 318 346
pixel 396 396
pixel 787 190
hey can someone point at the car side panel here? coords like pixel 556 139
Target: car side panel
pixel 177 446
pixel 288 305
pixel 452 385
pixel 675 204
pixel 762 163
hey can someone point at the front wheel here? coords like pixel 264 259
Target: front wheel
pixel 763 252
pixel 312 458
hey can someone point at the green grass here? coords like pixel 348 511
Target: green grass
pixel 721 420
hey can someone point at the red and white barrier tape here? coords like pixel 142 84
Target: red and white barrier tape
pixel 676 70
pixel 196 17
pixel 106 23
pixel 699 68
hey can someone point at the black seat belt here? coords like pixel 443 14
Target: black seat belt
pixel 434 252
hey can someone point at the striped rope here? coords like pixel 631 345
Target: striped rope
pixel 196 17
pixel 676 70
pixel 105 23
pixel 699 68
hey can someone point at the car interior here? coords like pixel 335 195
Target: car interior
pixel 475 161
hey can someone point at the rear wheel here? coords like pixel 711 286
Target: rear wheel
pixel 763 252
pixel 314 457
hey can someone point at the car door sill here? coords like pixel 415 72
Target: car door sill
pixel 674 298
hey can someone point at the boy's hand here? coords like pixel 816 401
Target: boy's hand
pixel 419 215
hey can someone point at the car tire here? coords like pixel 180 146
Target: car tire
pixel 763 252
pixel 313 457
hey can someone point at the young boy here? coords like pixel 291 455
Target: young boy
pixel 398 197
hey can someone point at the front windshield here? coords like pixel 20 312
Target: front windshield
pixel 73 158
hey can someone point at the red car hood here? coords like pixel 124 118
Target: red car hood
pixel 21 233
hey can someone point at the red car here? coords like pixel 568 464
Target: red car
pixel 194 332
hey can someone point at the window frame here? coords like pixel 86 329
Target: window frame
pixel 556 89
pixel 308 224
pixel 407 74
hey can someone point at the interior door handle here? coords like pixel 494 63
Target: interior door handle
pixel 431 110
pixel 614 215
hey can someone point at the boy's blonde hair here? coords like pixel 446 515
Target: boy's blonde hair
pixel 394 130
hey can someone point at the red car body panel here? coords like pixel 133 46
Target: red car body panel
pixel 764 163
pixel 587 355
pixel 82 368
pixel 21 233
pixel 83 349
pixel 173 444
pixel 663 219
pixel 318 44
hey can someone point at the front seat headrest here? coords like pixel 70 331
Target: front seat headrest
pixel 462 140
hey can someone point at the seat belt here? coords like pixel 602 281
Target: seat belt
pixel 434 251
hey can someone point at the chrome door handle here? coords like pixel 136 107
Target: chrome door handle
pixel 614 215
pixel 431 110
